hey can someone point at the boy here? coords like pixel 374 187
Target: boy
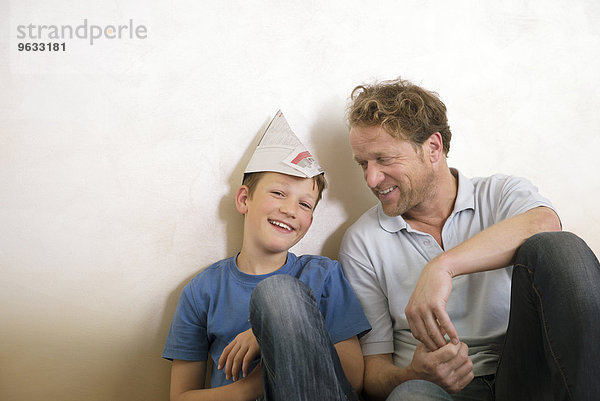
pixel 299 306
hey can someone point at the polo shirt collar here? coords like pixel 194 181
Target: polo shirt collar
pixel 465 199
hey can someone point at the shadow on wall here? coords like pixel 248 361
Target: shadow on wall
pixel 346 186
pixel 346 189
pixel 228 214
pixel 234 225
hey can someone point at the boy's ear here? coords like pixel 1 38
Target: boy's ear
pixel 241 199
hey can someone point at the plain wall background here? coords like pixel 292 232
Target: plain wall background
pixel 119 160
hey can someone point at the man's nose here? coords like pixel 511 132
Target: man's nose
pixel 373 175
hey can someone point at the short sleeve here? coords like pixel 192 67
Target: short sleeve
pixel 187 339
pixel 380 340
pixel 341 309
pixel 516 195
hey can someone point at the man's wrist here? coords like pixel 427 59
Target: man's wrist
pixel 442 264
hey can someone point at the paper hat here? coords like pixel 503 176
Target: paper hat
pixel 280 151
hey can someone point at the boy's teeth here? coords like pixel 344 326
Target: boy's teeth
pixel 282 225
pixel 386 191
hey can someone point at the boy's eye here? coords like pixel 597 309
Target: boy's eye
pixel 278 193
pixel 306 205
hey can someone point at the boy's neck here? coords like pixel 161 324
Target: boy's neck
pixel 258 264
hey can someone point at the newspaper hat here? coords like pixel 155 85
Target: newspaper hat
pixel 280 151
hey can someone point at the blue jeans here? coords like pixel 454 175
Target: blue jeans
pixel 480 389
pixel 553 336
pixel 299 360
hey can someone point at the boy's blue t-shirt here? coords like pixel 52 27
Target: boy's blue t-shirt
pixel 214 307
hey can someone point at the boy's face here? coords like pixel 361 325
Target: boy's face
pixel 279 213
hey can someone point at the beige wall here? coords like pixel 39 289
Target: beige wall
pixel 118 160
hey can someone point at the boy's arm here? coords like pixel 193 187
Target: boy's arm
pixel 352 361
pixel 187 384
pixel 239 354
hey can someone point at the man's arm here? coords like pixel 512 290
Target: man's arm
pixel 351 358
pixel 492 248
pixel 449 367
pixel 187 384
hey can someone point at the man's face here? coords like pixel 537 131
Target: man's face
pixel 399 176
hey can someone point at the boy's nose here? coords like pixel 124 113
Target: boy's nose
pixel 288 208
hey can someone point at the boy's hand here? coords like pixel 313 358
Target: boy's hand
pixel 239 353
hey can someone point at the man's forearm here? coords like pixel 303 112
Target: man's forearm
pixel 492 248
pixel 382 376
pixel 495 247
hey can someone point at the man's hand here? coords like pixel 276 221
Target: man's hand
pixel 426 308
pixel 449 367
pixel 239 353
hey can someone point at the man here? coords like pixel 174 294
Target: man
pixel 429 265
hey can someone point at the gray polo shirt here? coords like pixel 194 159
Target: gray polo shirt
pixel 383 256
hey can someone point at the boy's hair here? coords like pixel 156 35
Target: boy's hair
pixel 404 110
pixel 251 180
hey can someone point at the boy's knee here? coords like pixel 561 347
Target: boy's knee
pixel 278 296
pixel 419 390
pixel 275 287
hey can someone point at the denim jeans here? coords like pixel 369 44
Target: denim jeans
pixel 552 345
pixel 480 389
pixel 299 360
pixel 553 337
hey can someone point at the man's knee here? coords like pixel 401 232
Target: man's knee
pixel 554 250
pixel 419 390
pixel 559 263
pixel 552 242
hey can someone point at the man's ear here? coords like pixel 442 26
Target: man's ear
pixel 241 199
pixel 435 147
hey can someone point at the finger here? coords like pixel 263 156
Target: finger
pixel 419 331
pixel 464 375
pixel 464 370
pixel 237 362
pixel 224 355
pixel 461 357
pixel 246 363
pixel 229 361
pixel 446 354
pixel 446 324
pixel 434 331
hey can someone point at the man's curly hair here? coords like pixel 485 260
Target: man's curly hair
pixel 406 111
